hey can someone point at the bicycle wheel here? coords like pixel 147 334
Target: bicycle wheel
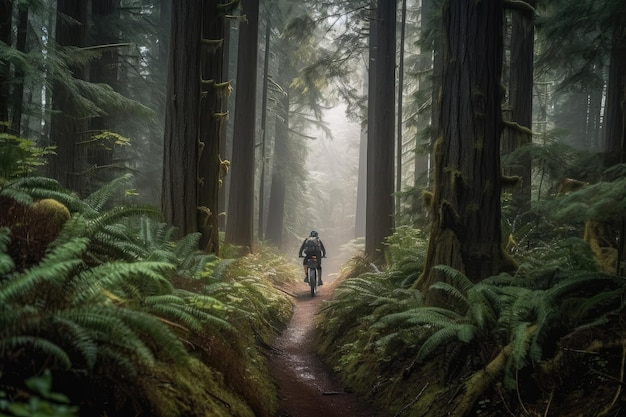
pixel 313 281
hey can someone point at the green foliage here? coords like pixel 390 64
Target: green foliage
pixel 372 319
pixel 20 157
pixel 40 401
pixel 61 308
pixel 6 262
pixel 603 201
pixel 406 242
pixel 349 336
pixel 116 297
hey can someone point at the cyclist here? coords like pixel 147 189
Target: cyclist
pixel 313 245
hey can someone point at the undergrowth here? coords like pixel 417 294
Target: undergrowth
pixel 503 336
pixel 127 319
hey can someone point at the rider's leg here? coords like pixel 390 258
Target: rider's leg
pixel 319 275
pixel 306 272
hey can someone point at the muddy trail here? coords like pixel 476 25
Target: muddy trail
pixel 307 388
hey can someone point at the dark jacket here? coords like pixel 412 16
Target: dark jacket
pixel 319 254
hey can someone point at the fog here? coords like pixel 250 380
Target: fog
pixel 333 164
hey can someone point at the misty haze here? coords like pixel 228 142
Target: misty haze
pixel 269 208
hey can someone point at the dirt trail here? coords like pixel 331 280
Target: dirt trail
pixel 307 387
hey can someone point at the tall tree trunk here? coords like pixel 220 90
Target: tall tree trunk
pixel 521 100
pixel 240 221
pixel 466 214
pixel 215 91
pixel 221 198
pixel 399 142
pixel 20 45
pixel 105 70
pixel 615 119
pixel 66 129
pixel 361 192
pixel 266 58
pixel 276 210
pixel 380 143
pixel 421 174
pixel 6 14
pixel 179 199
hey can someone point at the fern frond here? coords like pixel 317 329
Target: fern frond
pixel 37 344
pixel 120 213
pixel 438 339
pixel 107 326
pixel 42 187
pixel 77 337
pixel 191 311
pixel 188 245
pixel 163 341
pixel 599 303
pixel 486 303
pixel 20 196
pixel 452 291
pixel 434 316
pixel 521 341
pixel 103 195
pixel 457 278
pixel 137 279
pixel 55 267
pixel 6 262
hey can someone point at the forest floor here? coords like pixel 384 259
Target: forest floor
pixel 307 387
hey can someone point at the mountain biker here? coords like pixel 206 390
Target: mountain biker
pixel 313 245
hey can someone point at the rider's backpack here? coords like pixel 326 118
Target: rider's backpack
pixel 312 245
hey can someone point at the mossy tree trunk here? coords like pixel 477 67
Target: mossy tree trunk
pixel 179 199
pixel 466 232
pixel 521 100
pixel 213 107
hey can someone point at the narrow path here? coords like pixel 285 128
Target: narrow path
pixel 307 387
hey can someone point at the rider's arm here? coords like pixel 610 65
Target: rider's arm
pixel 323 248
pixel 301 249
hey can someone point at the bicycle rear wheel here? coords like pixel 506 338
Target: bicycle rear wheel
pixel 313 281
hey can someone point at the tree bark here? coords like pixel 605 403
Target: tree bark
pixel 276 211
pixel 240 220
pixel 6 14
pixel 266 58
pixel 521 100
pixel 466 232
pixel 180 154
pixel 615 119
pixel 100 153
pixel 18 92
pixel 215 90
pixel 381 124
pixel 66 129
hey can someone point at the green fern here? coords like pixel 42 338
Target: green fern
pixel 6 262
pixel 54 269
pixel 26 190
pixel 103 196
pixel 55 353
pixel 187 309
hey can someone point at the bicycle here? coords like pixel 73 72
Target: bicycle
pixel 314 274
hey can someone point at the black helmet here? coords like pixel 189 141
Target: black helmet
pixel 314 234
